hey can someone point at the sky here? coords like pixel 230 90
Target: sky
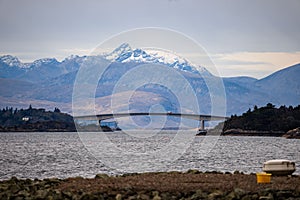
pixel 243 38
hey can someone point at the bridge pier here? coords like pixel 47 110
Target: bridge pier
pixel 202 124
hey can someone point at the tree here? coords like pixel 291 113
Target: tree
pixel 56 110
pixel 255 108
pixel 249 111
pixel 269 105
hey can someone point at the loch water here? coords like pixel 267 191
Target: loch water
pixel 43 154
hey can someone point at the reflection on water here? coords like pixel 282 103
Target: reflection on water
pixel 40 155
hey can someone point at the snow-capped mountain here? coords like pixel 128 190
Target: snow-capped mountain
pixel 50 82
pixel 124 53
pixel 38 70
pixel 44 61
pixel 12 61
pixel 43 69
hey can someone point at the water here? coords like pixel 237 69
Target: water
pixel 42 155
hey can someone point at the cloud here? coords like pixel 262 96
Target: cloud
pixel 256 64
pixel 76 51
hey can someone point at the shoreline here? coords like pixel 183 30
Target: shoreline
pixel 192 184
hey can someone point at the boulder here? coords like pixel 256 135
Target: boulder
pixel 293 134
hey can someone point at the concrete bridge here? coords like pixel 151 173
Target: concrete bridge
pixel 201 118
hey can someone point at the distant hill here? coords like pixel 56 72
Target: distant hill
pixel 50 82
pixel 283 85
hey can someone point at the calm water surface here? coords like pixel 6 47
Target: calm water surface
pixel 41 155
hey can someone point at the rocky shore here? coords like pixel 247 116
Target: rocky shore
pixel 240 132
pixel 47 126
pixel 291 134
pixel 158 186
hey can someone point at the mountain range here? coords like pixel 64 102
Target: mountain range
pixel 49 83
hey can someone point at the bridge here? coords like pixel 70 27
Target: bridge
pixel 201 118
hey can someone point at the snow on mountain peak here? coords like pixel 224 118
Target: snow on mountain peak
pixel 43 61
pixel 122 49
pixel 11 61
pixel 71 57
pixel 125 53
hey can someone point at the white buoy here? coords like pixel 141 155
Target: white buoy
pixel 279 167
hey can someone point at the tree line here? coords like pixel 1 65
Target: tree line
pixel 266 118
pixel 10 116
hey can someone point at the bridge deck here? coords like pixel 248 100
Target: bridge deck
pixel 118 115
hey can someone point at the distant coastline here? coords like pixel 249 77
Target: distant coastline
pixel 35 120
pixel 265 121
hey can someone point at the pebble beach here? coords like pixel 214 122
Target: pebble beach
pixel 192 184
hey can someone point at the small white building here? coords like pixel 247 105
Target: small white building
pixel 26 119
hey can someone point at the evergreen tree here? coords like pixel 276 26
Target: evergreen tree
pixel 56 110
pixel 255 108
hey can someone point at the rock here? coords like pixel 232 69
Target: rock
pixel 132 197
pixel 41 194
pixel 215 195
pixel 17 197
pixel 23 193
pixel 175 172
pixel 52 181
pixel 13 180
pixel 237 172
pixel 236 194
pixel 269 197
pixel 118 197
pixel 14 188
pixel 130 174
pixel 169 196
pixel 104 176
pixel 4 196
pixel 199 194
pixel 193 171
pixel 3 188
pixel 248 197
pixel 266 192
pixel 254 196
pixel 294 133
pixel 239 192
pixel 156 195
pixel 157 198
pixel 67 194
pixel 284 194
pixel 89 196
pixel 55 194
pixel 143 197
pixel 231 196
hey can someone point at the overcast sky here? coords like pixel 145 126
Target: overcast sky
pixel 253 38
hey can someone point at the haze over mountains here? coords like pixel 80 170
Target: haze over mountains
pixel 49 83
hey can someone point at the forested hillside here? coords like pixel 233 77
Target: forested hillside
pixel 267 118
pixel 33 119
